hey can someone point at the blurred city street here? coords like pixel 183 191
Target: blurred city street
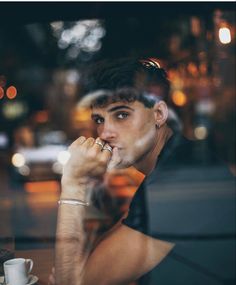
pixel 28 216
pixel 47 51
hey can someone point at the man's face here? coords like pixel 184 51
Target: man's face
pixel 128 126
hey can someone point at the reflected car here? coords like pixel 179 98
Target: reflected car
pixel 39 163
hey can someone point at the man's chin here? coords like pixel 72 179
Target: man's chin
pixel 112 166
pixel 120 165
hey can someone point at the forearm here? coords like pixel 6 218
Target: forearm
pixel 71 239
pixel 87 163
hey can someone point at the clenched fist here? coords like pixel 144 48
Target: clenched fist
pixel 89 158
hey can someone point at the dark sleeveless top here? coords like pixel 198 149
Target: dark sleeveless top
pixel 189 200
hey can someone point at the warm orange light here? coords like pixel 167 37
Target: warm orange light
pixel 192 69
pixel 179 98
pixel 195 26
pixel 41 116
pixel 123 192
pixel 1 92
pixel 11 92
pixel 82 115
pixel 42 186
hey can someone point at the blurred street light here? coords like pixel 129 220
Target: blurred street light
pixel 224 35
pixel 200 132
pixel 81 36
pixel 63 157
pixel 18 160
pixel 11 92
pixel 12 110
pixel 1 92
pixel 179 98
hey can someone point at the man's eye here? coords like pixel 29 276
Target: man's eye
pixel 99 121
pixel 122 115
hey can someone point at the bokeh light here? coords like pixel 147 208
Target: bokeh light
pixel 14 109
pixel 179 98
pixel 18 160
pixel 41 116
pixel 81 36
pixel 63 157
pixel 11 92
pixel 1 92
pixel 200 132
pixel 224 35
pixel 24 170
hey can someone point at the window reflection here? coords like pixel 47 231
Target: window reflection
pixel 43 109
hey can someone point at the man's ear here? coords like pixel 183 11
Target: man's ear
pixel 160 113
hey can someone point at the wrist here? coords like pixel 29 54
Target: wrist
pixel 73 189
pixel 73 202
pixel 74 182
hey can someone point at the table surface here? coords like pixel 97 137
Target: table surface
pixel 43 262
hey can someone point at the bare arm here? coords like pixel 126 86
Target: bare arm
pixel 122 256
pixel 87 161
pixel 71 253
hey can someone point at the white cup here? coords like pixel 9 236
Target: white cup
pixel 17 271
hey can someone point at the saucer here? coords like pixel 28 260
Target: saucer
pixel 32 279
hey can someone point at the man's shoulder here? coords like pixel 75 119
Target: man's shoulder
pixel 181 151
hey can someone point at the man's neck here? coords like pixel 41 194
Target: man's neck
pixel 148 163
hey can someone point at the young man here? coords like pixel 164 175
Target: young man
pixel 131 114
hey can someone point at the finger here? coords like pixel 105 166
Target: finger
pixel 107 152
pixel 99 144
pixel 89 142
pixel 115 159
pixel 79 141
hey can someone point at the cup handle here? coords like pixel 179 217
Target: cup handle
pixel 30 263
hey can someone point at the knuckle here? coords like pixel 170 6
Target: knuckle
pixel 78 141
pixel 82 138
pixel 90 139
pixel 103 161
pixel 89 142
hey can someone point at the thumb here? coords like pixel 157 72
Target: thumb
pixel 115 159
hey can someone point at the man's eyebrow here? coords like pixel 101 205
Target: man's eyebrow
pixel 94 116
pixel 119 107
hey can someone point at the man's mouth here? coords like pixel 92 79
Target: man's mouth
pixel 119 148
pixel 115 146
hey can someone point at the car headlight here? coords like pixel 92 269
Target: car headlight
pixel 63 157
pixel 24 170
pixel 18 160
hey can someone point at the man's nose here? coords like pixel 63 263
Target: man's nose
pixel 108 132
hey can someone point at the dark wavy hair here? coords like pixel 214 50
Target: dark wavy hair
pixel 128 80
